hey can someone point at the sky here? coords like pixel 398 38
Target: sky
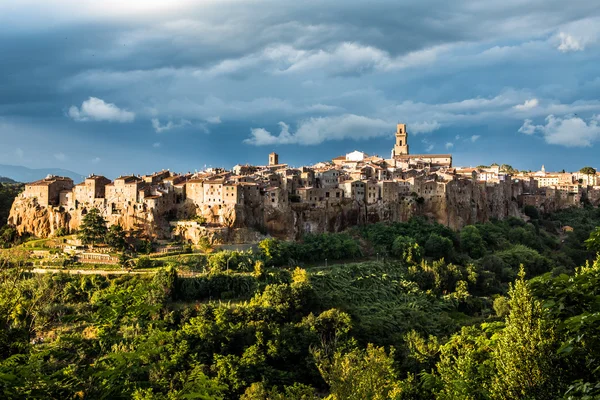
pixel 118 87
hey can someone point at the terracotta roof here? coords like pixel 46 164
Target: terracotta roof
pixel 48 181
pixel 129 179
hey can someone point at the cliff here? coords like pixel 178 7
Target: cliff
pixel 29 217
pixel 455 204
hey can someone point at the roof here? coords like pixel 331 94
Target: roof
pixel 48 180
pixel 408 156
pixel 129 179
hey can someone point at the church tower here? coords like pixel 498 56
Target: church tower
pixel 273 158
pixel 401 147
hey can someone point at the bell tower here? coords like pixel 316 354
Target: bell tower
pixel 401 147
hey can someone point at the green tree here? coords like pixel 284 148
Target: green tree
pixel 115 237
pixel 525 353
pixel 258 391
pixel 531 211
pixel 359 374
pixel 466 366
pixel 93 227
pixel 274 251
pixel 407 249
pixel 438 247
pixel 472 242
pixel 588 171
pixel 593 242
pixel 508 169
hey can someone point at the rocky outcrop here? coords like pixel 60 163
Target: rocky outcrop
pixel 454 204
pixel 30 218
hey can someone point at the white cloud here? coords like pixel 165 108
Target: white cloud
pixel 449 145
pixel 214 120
pixel 317 130
pixel 569 43
pixel 169 125
pixel 475 138
pixel 527 128
pixel 96 109
pixel 528 105
pixel 576 36
pixel 96 160
pixel 19 152
pixel 424 127
pixel 457 137
pixel 60 156
pixel 570 131
pixel 156 145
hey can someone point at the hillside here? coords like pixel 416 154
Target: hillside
pixel 4 179
pixel 402 311
pixel 24 174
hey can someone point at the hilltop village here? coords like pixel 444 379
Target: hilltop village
pixel 286 202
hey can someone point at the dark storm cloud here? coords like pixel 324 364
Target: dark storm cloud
pixel 214 74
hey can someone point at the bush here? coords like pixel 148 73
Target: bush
pixel 407 249
pixel 144 263
pixel 438 247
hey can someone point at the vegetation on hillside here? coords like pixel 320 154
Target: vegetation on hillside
pixel 8 192
pixel 502 310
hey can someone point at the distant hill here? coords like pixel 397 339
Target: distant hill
pixel 24 174
pixel 4 179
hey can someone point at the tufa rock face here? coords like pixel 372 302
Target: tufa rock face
pixel 29 217
pixel 454 204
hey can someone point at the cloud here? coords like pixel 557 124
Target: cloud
pixel 449 145
pixel 19 152
pixel 570 131
pixel 528 105
pixel 315 131
pixel 527 128
pixel 576 36
pixel 569 43
pixel 96 160
pixel 156 145
pixel 96 109
pixel 60 156
pixel 169 125
pixel 424 127
pixel 213 120
pixel 475 138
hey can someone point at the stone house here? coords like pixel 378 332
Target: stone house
pixel 353 189
pixel 47 191
pixel 194 191
pixel 93 187
pixel 213 192
pixel 124 189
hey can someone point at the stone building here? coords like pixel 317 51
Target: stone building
pixel 194 191
pixel 124 189
pixel 401 154
pixel 47 191
pixel 232 194
pixel 213 192
pixel 92 188
pixel 401 146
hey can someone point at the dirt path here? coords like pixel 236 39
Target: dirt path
pixel 182 274
pixel 88 271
